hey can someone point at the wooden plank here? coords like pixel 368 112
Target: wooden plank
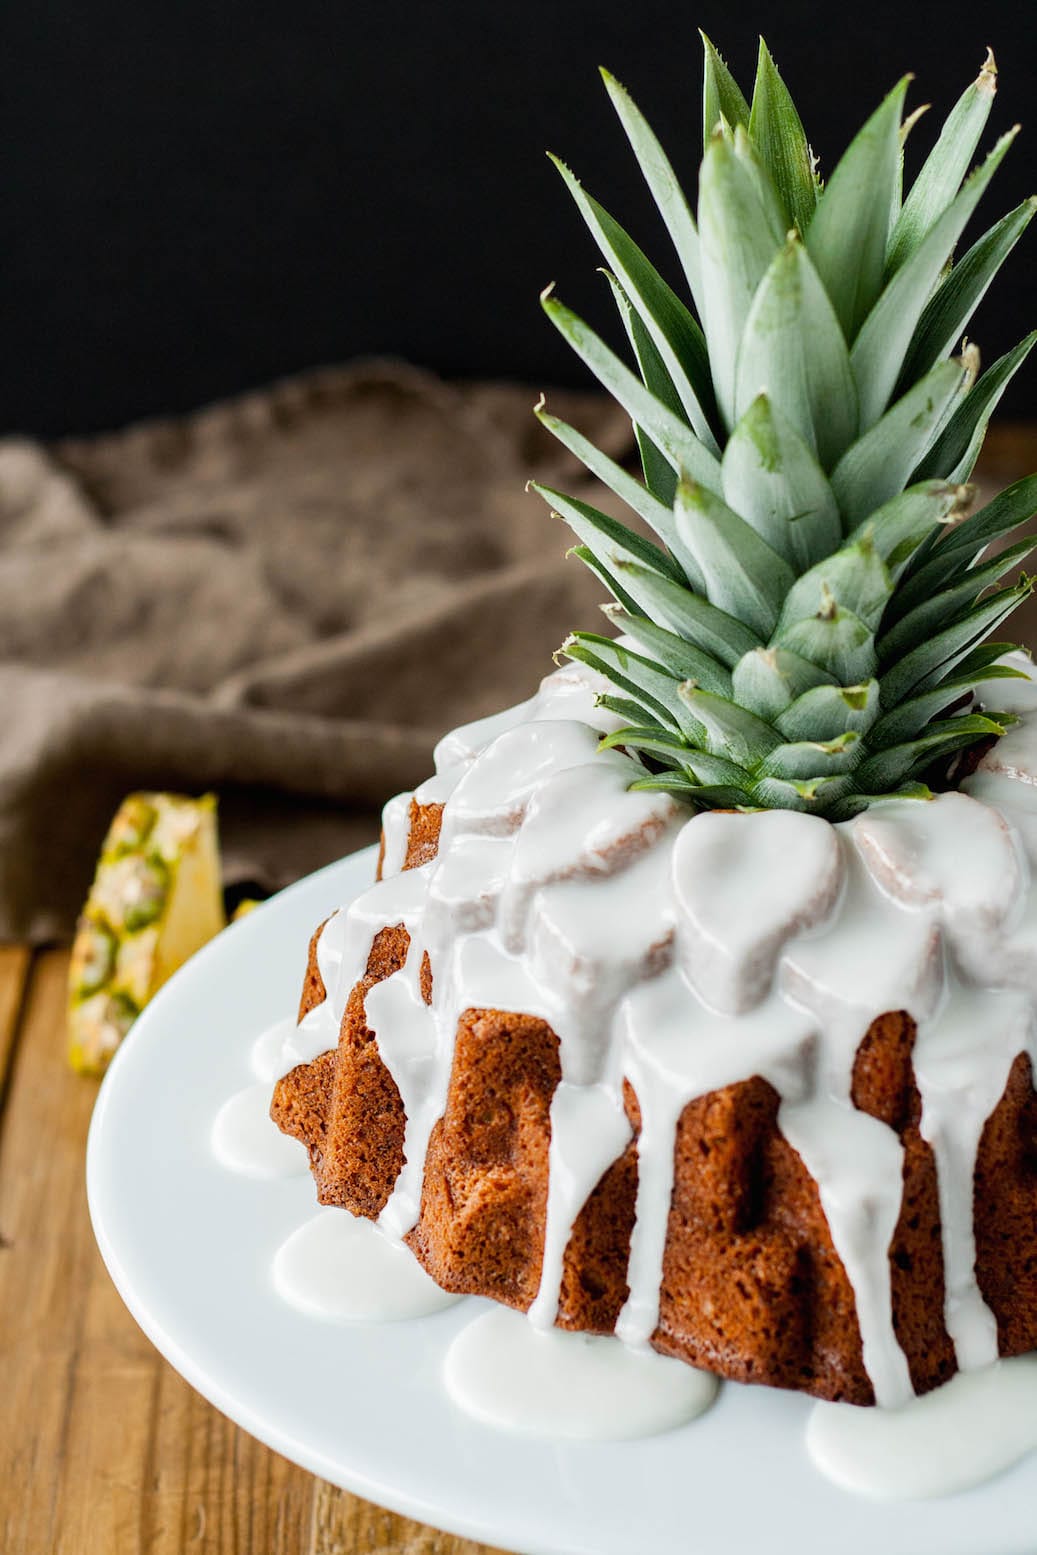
pixel 345 1525
pixel 14 973
pixel 104 1448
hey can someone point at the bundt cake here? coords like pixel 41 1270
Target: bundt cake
pixel 731 1084
pixel 695 1000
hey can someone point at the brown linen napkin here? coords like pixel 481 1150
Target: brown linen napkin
pixel 286 599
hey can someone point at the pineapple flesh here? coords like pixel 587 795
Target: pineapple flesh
pixel 155 900
pixel 807 625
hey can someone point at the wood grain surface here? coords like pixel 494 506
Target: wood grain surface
pixel 104 1450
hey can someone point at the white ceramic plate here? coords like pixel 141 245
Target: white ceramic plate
pixel 189 1246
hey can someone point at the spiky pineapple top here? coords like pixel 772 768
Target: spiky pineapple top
pixel 811 624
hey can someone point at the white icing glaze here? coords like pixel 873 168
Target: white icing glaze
pixel 559 893
pixel 395 825
pixel 1014 695
pixel 1015 754
pixel 675 1051
pixel 577 1387
pixel 857 1163
pixel 589 1130
pixel 974 1427
pixel 962 1060
pixel 581 823
pixel 344 1270
pixel 318 1029
pixel 266 1060
pixel 728 953
pixel 245 1139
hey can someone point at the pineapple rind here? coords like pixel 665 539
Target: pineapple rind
pixel 155 900
pixel 810 633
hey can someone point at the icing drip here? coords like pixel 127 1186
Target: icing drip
pixel 676 1049
pixel 407 1045
pixel 686 954
pixel 318 1030
pixel 588 1133
pixel 245 1140
pixel 579 1387
pixel 962 1060
pixel 395 825
pixel 857 1163
pixel 343 1270
pixel 265 1059
pixel 977 1425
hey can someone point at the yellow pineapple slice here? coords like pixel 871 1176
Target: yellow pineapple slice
pixel 155 900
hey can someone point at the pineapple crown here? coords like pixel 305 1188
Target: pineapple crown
pixel 808 627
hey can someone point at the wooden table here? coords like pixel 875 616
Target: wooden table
pixel 104 1450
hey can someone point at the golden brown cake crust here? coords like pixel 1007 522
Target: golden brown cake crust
pixel 752 1286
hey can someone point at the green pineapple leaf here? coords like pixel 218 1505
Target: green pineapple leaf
pixel 667 748
pixel 743 576
pixel 619 594
pixel 957 448
pixel 816 795
pixel 824 712
pixel 773 481
pixel 776 129
pixel 606 537
pixel 932 660
pixel 673 331
pixel 813 758
pixel 721 635
pixel 957 551
pixel 676 655
pixel 836 640
pixel 656 514
pixel 768 680
pixel 662 182
pixel 648 685
pixel 793 351
pixel 934 613
pixel 896 763
pixel 847 237
pixel 910 717
pixel 855 578
pixel 949 310
pixel 634 712
pixel 885 336
pixel 739 236
pixel 676 439
pixel 900 526
pixel 945 167
pixel 722 100
pixel 729 731
pixel 660 476
pixel 880 464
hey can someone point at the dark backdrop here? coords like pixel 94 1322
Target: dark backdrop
pixel 197 197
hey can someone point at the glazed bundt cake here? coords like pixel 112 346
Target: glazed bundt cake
pixel 705 1081
pixel 695 1001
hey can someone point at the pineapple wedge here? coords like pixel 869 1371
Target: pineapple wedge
pixel 155 900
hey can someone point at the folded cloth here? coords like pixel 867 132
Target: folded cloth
pixel 285 599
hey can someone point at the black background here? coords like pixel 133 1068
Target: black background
pixel 198 197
